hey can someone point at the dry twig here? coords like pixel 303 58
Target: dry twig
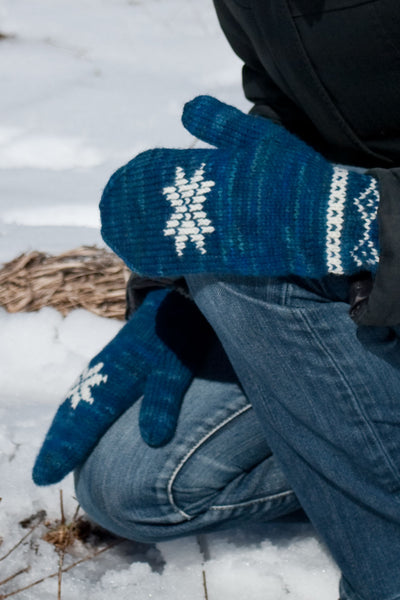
pixel 24 537
pixel 11 577
pixel 60 568
pixel 52 575
pixel 62 549
pixel 62 535
pixel 205 585
pixel 204 550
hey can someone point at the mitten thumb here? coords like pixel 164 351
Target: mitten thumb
pixel 222 125
pixel 163 395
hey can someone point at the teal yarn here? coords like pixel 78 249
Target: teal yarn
pixel 154 357
pixel 261 202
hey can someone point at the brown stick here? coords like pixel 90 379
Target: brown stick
pixel 60 567
pixel 204 550
pixel 74 518
pixel 32 529
pixel 15 575
pixel 205 585
pixel 62 508
pixel 75 564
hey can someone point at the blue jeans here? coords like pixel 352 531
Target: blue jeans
pixel 325 418
pixel 329 408
pixel 218 469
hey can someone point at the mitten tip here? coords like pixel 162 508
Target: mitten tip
pixel 198 106
pixel 43 475
pixel 156 438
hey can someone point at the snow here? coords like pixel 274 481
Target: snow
pixel 87 84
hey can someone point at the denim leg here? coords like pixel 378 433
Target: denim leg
pixel 329 409
pixel 217 471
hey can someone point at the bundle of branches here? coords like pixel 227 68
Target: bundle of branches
pixel 86 277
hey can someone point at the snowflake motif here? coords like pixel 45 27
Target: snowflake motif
pixel 81 391
pixel 189 221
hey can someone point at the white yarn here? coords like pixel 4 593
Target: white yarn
pixel 189 221
pixel 336 203
pixel 82 390
pixel 367 205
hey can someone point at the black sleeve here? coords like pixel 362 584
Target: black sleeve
pixel 382 306
pixel 268 99
pixel 138 287
pixel 373 119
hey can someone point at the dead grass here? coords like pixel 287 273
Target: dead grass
pixel 86 277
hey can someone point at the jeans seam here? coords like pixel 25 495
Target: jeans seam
pixel 250 502
pixel 192 451
pixel 284 294
pixel 362 411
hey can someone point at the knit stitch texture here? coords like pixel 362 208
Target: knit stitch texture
pixel 261 202
pixel 154 357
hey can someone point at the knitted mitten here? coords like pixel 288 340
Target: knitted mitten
pixel 261 203
pixel 154 355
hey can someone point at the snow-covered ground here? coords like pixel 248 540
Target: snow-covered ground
pixel 85 85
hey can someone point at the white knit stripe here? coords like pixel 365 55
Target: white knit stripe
pixel 334 225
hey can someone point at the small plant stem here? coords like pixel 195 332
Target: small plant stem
pixel 205 585
pixel 15 575
pixel 60 568
pixel 32 529
pixel 62 508
pixel 61 551
pixel 76 513
pixel 205 552
pixel 75 564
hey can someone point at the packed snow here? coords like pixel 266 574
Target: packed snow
pixel 87 84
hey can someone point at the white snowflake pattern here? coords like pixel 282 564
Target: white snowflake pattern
pixel 82 390
pixel 189 221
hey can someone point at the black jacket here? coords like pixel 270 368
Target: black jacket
pixel 329 71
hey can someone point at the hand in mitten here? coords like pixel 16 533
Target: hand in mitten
pixel 261 202
pixel 153 356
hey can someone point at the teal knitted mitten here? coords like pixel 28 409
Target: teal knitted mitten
pixel 261 202
pixel 153 356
